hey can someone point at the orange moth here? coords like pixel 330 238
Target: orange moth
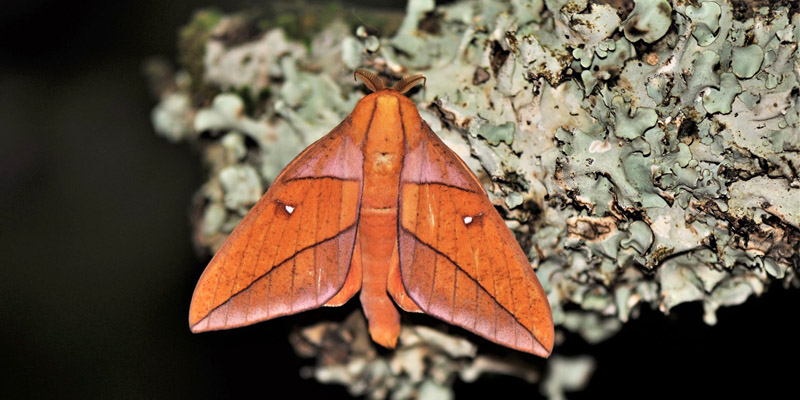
pixel 379 205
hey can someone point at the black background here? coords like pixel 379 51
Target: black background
pixel 98 269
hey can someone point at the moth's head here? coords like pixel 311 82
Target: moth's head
pixel 389 103
pixel 375 83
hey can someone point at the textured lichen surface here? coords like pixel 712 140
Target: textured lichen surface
pixel 645 155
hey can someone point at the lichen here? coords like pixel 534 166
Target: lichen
pixel 747 60
pixel 645 157
pixel 649 20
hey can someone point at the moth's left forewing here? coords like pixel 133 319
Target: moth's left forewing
pixel 293 250
pixel 458 260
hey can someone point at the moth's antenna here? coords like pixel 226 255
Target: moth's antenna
pixel 373 82
pixel 409 82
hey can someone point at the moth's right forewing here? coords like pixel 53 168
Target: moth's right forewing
pixel 459 261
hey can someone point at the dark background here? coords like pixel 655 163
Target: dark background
pixel 98 268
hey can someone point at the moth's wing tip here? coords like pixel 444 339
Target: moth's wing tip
pixel 195 328
pixel 198 325
pixel 542 350
pixel 544 338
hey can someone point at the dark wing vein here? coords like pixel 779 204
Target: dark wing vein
pixel 444 184
pixel 477 283
pixel 266 274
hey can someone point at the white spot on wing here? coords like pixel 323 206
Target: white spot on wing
pixel 289 209
pixel 467 220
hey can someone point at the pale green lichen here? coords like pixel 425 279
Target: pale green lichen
pixel 645 162
pixel 567 374
pixel 747 60
pixel 423 365
pixel 649 20
pixel 761 197
pixel 494 134
pixel 172 117
pixel 705 21
pixel 720 100
pixel 242 187
pixel 596 25
pixel 630 123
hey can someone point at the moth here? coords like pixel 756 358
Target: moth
pixel 382 206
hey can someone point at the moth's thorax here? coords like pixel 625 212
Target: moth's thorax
pixel 386 108
pixel 384 148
